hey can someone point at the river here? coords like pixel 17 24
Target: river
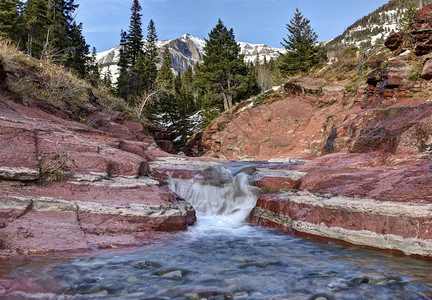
pixel 224 257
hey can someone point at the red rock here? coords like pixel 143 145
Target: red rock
pixel 275 182
pixel 166 145
pixel 367 223
pixel 427 70
pixel 420 26
pixel 399 41
pixel 89 207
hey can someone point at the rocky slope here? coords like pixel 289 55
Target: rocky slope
pixel 367 180
pixel 68 186
pixel 186 51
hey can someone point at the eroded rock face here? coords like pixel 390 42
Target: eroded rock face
pixel 421 30
pixel 374 200
pixel 381 116
pixel 390 226
pixel 65 186
pixel 399 41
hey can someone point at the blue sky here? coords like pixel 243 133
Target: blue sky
pixel 253 21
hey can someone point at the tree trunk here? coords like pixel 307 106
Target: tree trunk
pixel 226 105
pixel 46 44
pixel 421 4
pixel 230 102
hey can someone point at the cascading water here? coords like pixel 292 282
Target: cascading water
pixel 220 194
pixel 222 257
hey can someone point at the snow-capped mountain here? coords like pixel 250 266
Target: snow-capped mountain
pixel 185 52
pixel 373 28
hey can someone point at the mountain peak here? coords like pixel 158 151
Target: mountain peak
pixel 185 52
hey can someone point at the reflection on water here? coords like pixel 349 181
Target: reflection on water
pixel 223 258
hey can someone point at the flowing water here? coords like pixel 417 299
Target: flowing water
pixel 222 257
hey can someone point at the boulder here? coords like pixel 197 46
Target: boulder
pixel 427 70
pixel 399 42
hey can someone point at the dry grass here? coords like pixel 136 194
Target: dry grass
pixel 56 84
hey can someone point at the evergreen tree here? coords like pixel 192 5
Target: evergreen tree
pixel 37 22
pixel 137 78
pixel 135 36
pixel 151 56
pixel 51 29
pixel 76 56
pixel 107 79
pixel 93 74
pixel 302 53
pixel 166 104
pixel 11 22
pixel 165 76
pixel 223 69
pixel 122 86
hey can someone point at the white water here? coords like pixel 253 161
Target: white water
pixel 222 198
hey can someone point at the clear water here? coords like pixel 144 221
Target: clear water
pixel 222 257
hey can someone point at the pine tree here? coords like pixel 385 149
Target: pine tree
pixel 37 22
pixel 166 104
pixel 135 35
pixel 165 76
pixel 76 57
pixel 122 86
pixel 11 21
pixel 138 78
pixel 151 56
pixel 223 69
pixel 107 79
pixel 302 53
pixel 93 74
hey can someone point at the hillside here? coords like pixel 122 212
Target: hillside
pixel 185 52
pixel 373 28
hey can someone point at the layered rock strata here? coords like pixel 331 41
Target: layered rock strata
pixel 385 225
pixel 66 186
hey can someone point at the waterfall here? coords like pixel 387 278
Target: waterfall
pixel 218 192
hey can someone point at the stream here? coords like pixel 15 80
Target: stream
pixel 223 257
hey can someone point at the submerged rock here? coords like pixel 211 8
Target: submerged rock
pixel 146 265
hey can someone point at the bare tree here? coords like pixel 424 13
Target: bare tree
pixel 144 100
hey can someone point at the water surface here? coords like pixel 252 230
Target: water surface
pixel 222 257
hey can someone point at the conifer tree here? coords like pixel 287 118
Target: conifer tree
pixel 165 76
pixel 138 78
pixel 37 22
pixel 122 86
pixel 107 79
pixel 135 36
pixel 93 74
pixel 11 22
pixel 166 104
pixel 151 56
pixel 302 53
pixel 75 58
pixel 223 69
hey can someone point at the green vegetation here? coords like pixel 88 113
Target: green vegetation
pixel 302 51
pixel 56 167
pixel 223 71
